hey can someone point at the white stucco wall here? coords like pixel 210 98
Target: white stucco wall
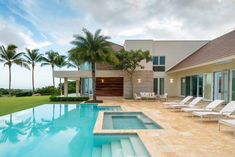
pixel 174 52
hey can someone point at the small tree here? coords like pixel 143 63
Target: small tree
pixel 129 61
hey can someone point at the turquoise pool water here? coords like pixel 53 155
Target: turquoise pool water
pixel 62 131
pixel 128 120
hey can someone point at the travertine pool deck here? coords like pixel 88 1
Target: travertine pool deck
pixel 181 135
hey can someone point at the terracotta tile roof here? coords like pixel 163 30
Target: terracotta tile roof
pixel 221 47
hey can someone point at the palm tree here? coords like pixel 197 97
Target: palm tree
pixel 9 56
pixel 50 59
pixel 60 63
pixel 92 48
pixel 74 61
pixel 33 57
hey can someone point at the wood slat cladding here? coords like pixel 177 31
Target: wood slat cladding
pixel 109 86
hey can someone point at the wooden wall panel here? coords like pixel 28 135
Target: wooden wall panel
pixel 109 86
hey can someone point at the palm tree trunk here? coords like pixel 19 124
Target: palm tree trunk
pixel 9 80
pixel 93 80
pixel 33 78
pixel 53 75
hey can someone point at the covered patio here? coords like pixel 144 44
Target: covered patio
pixel 101 76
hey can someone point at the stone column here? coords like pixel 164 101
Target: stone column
pixel 65 86
pixel 77 87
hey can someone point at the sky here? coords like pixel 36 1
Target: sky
pixel 51 24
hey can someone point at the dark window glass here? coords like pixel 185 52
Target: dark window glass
pixel 155 60
pixel 162 60
pixel 158 68
pixel 188 87
pixel 183 87
pixel 155 85
pixel 162 88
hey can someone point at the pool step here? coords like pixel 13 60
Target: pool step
pixel 106 150
pixel 96 152
pixel 144 119
pixel 138 146
pixel 116 149
pixel 127 148
pixel 150 126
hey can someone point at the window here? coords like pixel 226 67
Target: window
pixel 159 63
pixel 162 60
pixel 155 60
pixel 158 68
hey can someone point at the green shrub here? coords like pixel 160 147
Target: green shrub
pixel 56 98
pixel 94 101
pixel 22 94
pixel 50 90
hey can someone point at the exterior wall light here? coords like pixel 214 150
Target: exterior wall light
pixel 171 80
pixel 139 80
pixel 102 80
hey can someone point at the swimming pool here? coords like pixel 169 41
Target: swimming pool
pixel 58 130
pixel 128 120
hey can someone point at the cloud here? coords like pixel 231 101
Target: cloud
pixel 158 19
pixel 13 34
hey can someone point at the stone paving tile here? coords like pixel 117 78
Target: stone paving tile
pixel 181 136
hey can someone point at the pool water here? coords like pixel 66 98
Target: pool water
pixel 60 131
pixel 128 120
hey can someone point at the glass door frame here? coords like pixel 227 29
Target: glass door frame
pixel 212 86
pixel 231 84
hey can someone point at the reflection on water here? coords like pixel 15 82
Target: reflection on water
pixel 48 130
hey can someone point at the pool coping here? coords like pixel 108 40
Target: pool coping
pixel 140 132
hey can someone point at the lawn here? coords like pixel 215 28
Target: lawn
pixel 13 104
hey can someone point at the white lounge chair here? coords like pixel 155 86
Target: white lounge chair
pixel 227 122
pixel 163 97
pixel 211 106
pixel 136 97
pixel 192 104
pixel 182 102
pixel 226 111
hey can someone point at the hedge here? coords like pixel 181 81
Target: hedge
pixel 94 101
pixel 57 98
pixel 22 94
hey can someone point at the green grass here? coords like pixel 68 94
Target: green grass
pixel 13 104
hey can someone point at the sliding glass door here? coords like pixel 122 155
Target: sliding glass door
pixel 218 85
pixel 182 87
pixel 208 85
pixel 162 87
pixel 200 85
pixel 221 85
pixel 158 86
pixel 188 85
pixel 155 85
pixel 233 85
pixel 225 89
pixel 194 85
